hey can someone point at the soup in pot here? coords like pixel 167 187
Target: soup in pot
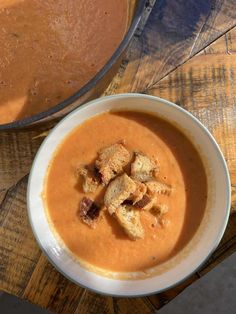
pixel 50 49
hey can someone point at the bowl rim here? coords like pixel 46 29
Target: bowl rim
pixel 21 123
pixel 220 157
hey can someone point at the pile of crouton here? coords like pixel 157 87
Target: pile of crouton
pixel 127 193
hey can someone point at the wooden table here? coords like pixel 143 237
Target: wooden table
pixel 187 54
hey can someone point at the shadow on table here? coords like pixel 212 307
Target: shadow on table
pixel 169 37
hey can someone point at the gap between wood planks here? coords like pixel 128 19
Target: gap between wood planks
pixel 145 91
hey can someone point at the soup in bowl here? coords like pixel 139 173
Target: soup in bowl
pixel 125 196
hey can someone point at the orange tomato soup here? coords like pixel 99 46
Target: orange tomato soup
pixel 50 49
pixel 107 246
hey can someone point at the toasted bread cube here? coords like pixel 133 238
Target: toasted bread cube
pixel 146 203
pixel 139 193
pixel 111 160
pixel 155 187
pixel 129 219
pixel 143 168
pixel 118 191
pixel 89 211
pixel 90 182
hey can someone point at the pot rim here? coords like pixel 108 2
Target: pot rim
pixel 88 86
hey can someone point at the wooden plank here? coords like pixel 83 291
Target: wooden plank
pixel 17 151
pixel 175 32
pixel 18 250
pixel 95 303
pixel 48 288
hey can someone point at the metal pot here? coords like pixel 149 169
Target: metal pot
pixel 94 87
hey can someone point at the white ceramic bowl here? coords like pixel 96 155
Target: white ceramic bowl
pixel 199 248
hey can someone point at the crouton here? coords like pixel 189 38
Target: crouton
pixel 155 187
pixel 143 169
pixel 111 160
pixel 139 192
pixel 90 180
pixel 129 219
pixel 88 211
pixel 146 203
pixel 118 191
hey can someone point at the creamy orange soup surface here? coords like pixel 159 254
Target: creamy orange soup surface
pixel 107 246
pixel 50 49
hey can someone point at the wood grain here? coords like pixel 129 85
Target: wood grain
pixel 172 59
pixel 17 151
pixel 51 290
pixel 19 252
pixel 175 32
